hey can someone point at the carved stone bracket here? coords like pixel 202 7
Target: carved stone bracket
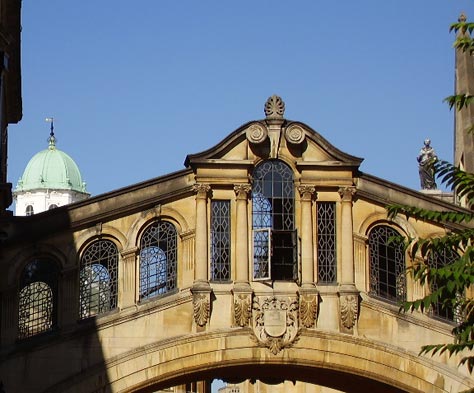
pixel 347 193
pixel 242 307
pixel 309 307
pixel 201 304
pixel 349 307
pixel 275 322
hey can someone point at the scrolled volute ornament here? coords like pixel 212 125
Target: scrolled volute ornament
pixel 294 134
pixel 256 133
pixel 274 107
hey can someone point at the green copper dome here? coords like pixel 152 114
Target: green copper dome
pixel 51 169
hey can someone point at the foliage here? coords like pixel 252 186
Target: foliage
pixel 450 283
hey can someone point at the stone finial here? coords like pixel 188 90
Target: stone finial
pixel 274 107
pixel 462 18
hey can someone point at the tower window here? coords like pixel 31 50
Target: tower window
pixel 29 210
pixel 52 206
pixel 274 235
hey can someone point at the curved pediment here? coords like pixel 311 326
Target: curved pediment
pixel 274 137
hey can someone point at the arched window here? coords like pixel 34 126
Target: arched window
pixel 437 260
pixel 158 260
pixel 37 309
pixel 98 279
pixel 274 235
pixel 52 206
pixel 387 264
pixel 29 210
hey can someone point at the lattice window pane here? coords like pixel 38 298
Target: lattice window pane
pixel 158 260
pixel 37 306
pixel 220 240
pixel 98 279
pixel 387 264
pixel 326 250
pixel 261 254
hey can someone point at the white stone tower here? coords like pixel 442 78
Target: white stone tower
pixel 51 179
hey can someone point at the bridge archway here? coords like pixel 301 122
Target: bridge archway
pixel 334 360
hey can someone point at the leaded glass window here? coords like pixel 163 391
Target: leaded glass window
pixel 326 249
pixel 98 279
pixel 387 264
pixel 437 260
pixel 158 260
pixel 37 308
pixel 220 240
pixel 274 235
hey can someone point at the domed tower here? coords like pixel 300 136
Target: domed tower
pixel 51 179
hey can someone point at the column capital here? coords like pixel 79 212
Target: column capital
pixel 347 193
pixel 129 253
pixel 201 190
pixel 307 192
pixel 242 190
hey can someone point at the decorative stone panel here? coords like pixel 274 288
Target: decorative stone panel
pixel 275 322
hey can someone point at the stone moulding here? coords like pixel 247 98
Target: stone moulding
pixel 275 322
pixel 256 133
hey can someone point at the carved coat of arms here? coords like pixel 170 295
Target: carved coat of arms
pixel 275 322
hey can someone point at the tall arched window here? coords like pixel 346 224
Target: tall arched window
pixel 274 235
pixel 158 260
pixel 98 278
pixel 387 264
pixel 437 260
pixel 37 309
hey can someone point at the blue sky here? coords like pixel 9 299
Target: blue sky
pixel 135 86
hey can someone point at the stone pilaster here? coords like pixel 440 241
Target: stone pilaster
pixel 348 294
pixel 242 239
pixel 9 316
pixel 201 238
pixel 307 193
pixel 128 292
pixel 68 299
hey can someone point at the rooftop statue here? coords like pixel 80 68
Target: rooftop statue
pixel 426 159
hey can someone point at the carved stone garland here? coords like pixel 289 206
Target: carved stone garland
pixel 202 307
pixel 275 322
pixel 242 309
pixel 308 309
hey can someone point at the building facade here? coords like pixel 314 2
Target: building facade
pixel 270 257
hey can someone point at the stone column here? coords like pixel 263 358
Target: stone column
pixel 242 238
pixel 348 294
pixel 201 289
pixel 128 292
pixel 201 254
pixel 308 295
pixel 307 250
pixel 347 242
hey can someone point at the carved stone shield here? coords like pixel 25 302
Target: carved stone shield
pixel 274 322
